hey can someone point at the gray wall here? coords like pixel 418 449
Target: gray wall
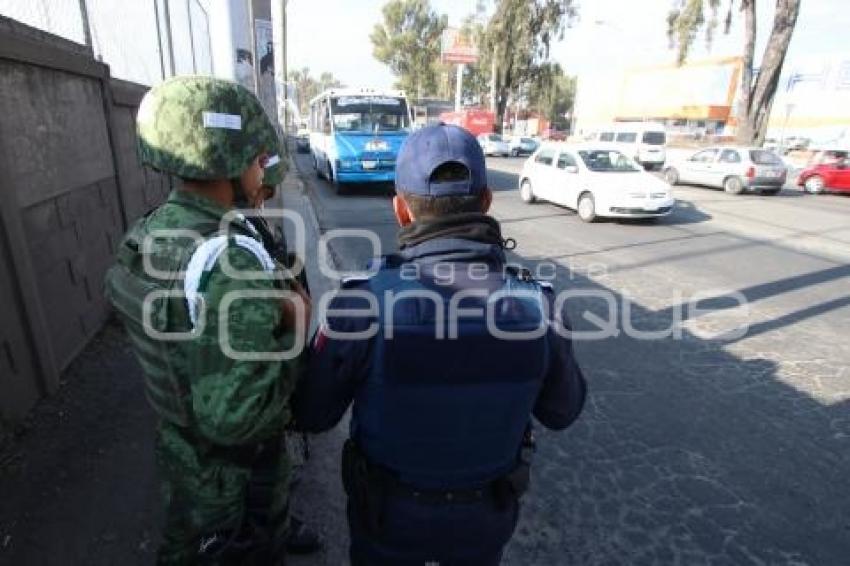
pixel 70 182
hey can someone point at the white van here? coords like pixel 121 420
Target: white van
pixel 645 141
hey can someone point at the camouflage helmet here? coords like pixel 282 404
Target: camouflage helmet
pixel 277 165
pixel 201 128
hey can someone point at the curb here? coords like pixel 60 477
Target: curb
pixel 302 185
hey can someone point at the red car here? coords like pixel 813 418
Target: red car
pixel 827 171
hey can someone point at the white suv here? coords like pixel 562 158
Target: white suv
pixel 645 141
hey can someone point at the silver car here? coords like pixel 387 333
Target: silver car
pixel 734 169
pixel 521 145
pixel 494 144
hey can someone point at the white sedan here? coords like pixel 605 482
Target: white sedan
pixel 595 181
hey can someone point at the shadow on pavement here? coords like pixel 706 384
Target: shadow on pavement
pixel 688 454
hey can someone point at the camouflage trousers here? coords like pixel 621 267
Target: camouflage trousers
pixel 223 506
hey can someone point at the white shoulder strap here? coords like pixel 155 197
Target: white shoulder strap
pixel 204 259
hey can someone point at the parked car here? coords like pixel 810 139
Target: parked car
pixel 734 169
pixel 796 143
pixel 553 134
pixel 522 145
pixel 828 170
pixel 594 179
pixel 494 144
pixel 302 140
pixel 645 141
pixel 783 147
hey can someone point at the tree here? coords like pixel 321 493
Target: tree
pixel 408 41
pixel 552 93
pixel 476 78
pixel 518 36
pixel 306 87
pixel 687 19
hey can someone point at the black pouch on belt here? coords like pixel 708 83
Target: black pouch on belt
pixel 365 484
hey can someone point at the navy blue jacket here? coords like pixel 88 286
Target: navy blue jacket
pixel 338 367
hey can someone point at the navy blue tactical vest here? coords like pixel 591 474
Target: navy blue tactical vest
pixel 445 412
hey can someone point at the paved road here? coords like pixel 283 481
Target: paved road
pixel 704 447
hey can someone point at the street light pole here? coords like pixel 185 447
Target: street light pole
pixel 459 87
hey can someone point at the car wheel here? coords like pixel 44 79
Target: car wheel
pixel 514 153
pixel 526 193
pixel 733 185
pixel 586 207
pixel 671 176
pixel 814 185
pixel 331 178
pixel 316 168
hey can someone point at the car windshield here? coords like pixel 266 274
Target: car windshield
pixel 654 138
pixel 526 140
pixel 369 114
pixel 764 157
pixel 607 161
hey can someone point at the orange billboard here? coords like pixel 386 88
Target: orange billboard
pixel 699 90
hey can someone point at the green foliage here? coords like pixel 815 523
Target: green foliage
pixel 408 41
pixel 518 36
pixel 307 87
pixel 758 89
pixel 688 18
pixel 552 93
pixel 476 78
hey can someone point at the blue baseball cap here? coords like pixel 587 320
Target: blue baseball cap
pixel 427 149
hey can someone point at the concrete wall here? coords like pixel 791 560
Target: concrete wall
pixel 70 182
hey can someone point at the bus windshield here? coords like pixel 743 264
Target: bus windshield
pixel 370 114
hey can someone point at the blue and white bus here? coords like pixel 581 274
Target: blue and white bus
pixel 355 134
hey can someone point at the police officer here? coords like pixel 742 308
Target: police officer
pixel 446 353
pixel 221 394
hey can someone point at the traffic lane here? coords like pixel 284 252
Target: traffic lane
pixel 696 247
pixel 684 444
pixel 818 224
pixel 361 224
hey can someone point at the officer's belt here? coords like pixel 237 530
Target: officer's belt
pixel 511 485
pixel 439 496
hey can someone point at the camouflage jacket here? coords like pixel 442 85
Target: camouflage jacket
pixel 232 389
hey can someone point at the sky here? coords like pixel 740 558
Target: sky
pixel 333 35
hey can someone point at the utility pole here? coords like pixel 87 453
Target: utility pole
pixel 159 38
pixel 493 84
pixel 281 74
pixel 459 87
pixel 285 74
pixel 170 40
pixel 84 14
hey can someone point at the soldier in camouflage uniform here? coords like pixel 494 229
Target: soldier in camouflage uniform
pixel 179 286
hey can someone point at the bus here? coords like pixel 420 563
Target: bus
pixel 355 134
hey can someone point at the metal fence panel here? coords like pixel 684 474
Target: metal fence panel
pixel 59 17
pixel 138 39
pixel 124 35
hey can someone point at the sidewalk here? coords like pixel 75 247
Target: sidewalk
pixel 78 483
